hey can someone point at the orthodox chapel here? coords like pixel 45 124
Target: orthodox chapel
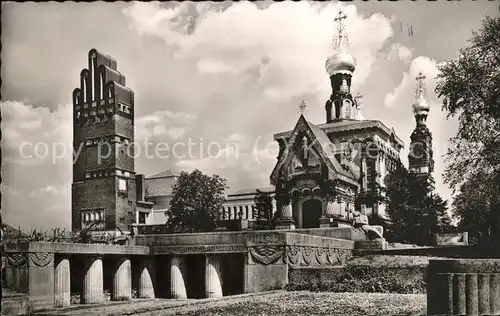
pixel 326 173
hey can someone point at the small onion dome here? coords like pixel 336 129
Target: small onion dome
pixel 421 106
pixel 340 62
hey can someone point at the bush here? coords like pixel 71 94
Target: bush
pixel 407 280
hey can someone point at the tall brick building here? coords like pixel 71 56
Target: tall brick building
pixel 103 191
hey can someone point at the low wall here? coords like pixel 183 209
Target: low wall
pixel 448 239
pixel 264 256
pixel 466 252
pixel 348 233
pixel 75 248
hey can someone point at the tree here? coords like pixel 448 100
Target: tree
pixel 475 206
pixel 470 86
pixel 264 210
pixel 415 212
pixel 196 203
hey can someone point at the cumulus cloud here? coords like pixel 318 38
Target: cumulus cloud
pixel 242 165
pixel 292 38
pixel 162 123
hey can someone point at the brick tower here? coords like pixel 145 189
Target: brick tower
pixel 103 190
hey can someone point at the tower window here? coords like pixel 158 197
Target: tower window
pixel 122 185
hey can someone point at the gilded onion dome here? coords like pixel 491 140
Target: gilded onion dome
pixel 340 62
pixel 421 106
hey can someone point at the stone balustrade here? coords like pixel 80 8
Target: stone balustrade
pixel 463 287
pixel 179 266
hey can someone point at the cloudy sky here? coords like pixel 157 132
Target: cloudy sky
pixel 228 73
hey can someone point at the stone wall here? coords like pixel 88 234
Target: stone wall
pixel 469 251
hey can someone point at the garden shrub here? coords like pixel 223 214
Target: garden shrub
pixel 402 280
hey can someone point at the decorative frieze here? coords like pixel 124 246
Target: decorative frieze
pixel 268 238
pixel 195 249
pixel 266 254
pixel 311 256
pixel 17 259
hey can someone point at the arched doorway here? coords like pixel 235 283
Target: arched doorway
pixel 311 213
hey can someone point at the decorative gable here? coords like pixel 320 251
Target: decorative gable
pixel 319 151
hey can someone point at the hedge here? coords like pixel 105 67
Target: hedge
pixel 368 279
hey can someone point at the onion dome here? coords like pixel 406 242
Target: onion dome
pixel 340 62
pixel 421 106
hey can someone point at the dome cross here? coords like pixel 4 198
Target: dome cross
pixel 420 85
pixel 341 30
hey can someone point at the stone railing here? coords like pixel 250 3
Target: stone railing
pixel 463 287
pixel 190 266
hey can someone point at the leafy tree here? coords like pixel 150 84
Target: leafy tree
pixel 196 203
pixel 264 210
pixel 415 212
pixel 470 86
pixel 476 206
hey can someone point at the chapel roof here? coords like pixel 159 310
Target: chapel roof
pixel 348 125
pixel 165 174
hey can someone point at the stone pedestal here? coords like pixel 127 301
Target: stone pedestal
pixel 122 281
pixel 463 287
pixel 177 277
pixel 325 222
pixel 213 277
pixel 285 220
pixel 93 285
pixel 62 282
pixel 146 277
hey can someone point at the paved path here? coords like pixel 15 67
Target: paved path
pixel 142 306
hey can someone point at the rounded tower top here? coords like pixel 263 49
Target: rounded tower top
pixel 421 106
pixel 340 62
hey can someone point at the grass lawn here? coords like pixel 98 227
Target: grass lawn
pixel 306 303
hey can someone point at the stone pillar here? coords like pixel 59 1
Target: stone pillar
pixel 62 282
pixel 177 276
pixel 213 277
pixel 122 281
pixel 328 214
pixel 463 287
pixel 93 283
pixel 285 219
pixel 146 277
